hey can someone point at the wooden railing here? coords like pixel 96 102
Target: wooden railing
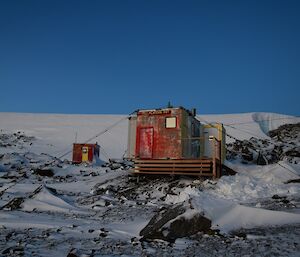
pixel 207 167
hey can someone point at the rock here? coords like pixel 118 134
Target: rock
pixel 282 145
pixel 276 197
pixel 246 153
pixel 73 253
pixel 247 157
pixel 292 181
pixel 293 153
pixel 102 234
pixel 285 201
pixel 281 199
pixel 14 251
pixel 14 204
pixel 44 172
pixel 66 161
pixel 175 222
pixel 261 160
pixel 183 227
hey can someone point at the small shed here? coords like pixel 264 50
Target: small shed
pixel 85 152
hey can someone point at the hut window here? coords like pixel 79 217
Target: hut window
pixel 171 122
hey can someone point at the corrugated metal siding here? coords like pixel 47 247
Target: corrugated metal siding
pixel 166 141
pixel 218 131
pixel 191 141
pixel 77 153
pixel 131 137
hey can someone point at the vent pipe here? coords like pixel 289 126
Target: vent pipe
pixel 193 111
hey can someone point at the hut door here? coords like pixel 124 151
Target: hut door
pixel 146 143
pixel 85 153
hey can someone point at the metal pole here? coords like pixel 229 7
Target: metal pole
pixel 214 159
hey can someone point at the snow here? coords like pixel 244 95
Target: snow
pixel 226 215
pixel 86 185
pixel 56 133
pixel 243 217
pixel 254 182
pixel 94 207
pixel 246 125
pixel 22 220
pixel 45 200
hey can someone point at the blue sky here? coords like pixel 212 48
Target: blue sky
pixel 117 56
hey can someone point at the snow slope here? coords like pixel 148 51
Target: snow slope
pixel 79 203
pixel 247 125
pixel 57 132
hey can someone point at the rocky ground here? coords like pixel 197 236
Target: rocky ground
pixel 49 207
pixel 283 145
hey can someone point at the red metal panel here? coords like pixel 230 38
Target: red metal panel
pixel 77 154
pixel 166 141
pixel 91 153
pixel 145 144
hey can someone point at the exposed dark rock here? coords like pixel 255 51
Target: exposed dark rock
pixel 103 234
pixel 283 145
pixel 73 253
pixel 44 172
pixel 160 219
pixel 281 199
pixel 247 157
pixel 276 197
pixel 14 204
pixel 239 234
pixel 285 129
pixel 285 201
pixel 14 251
pixel 293 181
pixel 293 153
pixel 169 224
pixel 261 160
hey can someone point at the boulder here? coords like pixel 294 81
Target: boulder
pixel 175 222
pixel 261 160
pixel 44 172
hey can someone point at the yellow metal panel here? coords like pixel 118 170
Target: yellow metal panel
pixel 85 154
pixel 219 126
pixel 221 137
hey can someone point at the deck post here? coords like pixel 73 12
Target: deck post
pixel 220 158
pixel 214 159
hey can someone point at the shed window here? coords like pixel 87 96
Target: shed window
pixel 171 122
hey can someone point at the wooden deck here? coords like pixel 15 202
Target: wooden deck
pixel 189 167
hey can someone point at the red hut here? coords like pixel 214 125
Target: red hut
pixel 171 141
pixel 167 134
pixel 85 152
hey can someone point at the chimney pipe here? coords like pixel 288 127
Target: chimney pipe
pixel 193 111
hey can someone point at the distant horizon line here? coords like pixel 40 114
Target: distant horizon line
pixel 122 114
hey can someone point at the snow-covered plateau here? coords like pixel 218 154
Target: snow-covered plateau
pixel 50 207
